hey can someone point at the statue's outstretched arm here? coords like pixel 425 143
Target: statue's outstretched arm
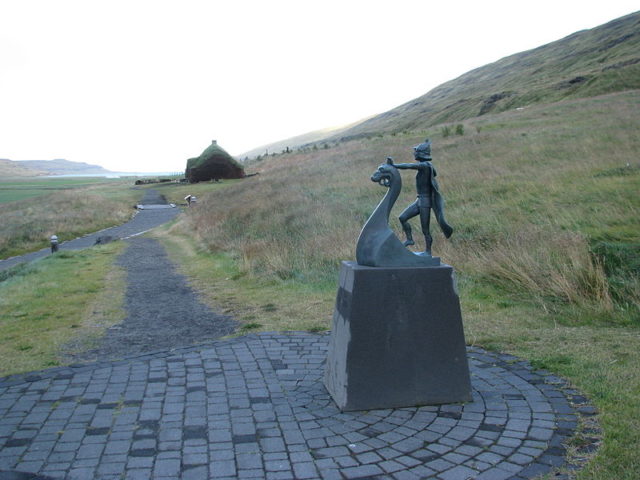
pixel 408 166
pixel 403 166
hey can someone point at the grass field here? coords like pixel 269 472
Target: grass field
pixel 17 189
pixel 175 192
pixel 31 210
pixel 55 305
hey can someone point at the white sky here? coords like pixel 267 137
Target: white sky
pixel 141 85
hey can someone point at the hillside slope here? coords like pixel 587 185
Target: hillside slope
pixel 10 169
pixel 592 62
pixel 557 180
pixel 62 167
pixel 297 141
pixel 598 61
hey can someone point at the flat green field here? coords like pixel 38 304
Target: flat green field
pixel 13 190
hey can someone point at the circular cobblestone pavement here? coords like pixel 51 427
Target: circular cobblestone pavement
pixel 255 407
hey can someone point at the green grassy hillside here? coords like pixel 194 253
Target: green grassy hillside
pixel 544 201
pixel 592 62
pixel 587 63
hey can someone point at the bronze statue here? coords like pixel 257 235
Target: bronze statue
pixel 378 245
pixel 428 197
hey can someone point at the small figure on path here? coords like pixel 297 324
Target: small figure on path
pixel 428 196
pixel 54 243
pixel 190 199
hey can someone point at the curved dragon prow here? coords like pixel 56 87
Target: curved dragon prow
pixel 378 245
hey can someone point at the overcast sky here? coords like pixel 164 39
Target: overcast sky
pixel 141 85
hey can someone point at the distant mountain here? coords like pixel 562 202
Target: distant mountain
pixel 295 142
pixel 61 166
pixel 9 168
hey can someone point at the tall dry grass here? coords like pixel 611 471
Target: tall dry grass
pixel 544 265
pixel 27 225
pixel 527 192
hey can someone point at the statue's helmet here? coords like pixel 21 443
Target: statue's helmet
pixel 423 150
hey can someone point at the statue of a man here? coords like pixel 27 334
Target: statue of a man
pixel 428 197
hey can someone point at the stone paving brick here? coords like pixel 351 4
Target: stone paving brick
pixel 90 451
pixel 29 466
pixel 255 407
pixel 251 474
pixel 363 471
pixel 274 444
pixel 439 465
pixel 288 475
pixel 510 467
pixel 438 448
pixel 458 473
pixel 140 474
pixel 277 465
pixel 520 459
pixel 406 475
pixel 278 456
pixel 541 434
pixel 119 458
pixel 117 446
pixel 81 473
pixel 305 470
pixel 111 468
pixel 346 462
pixel 222 468
pixel 140 462
pixel 166 467
pixel 195 459
pixel 455 458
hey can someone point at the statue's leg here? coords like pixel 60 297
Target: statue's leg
pixel 410 212
pixel 425 220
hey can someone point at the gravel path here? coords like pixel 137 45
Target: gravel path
pixel 163 312
pixel 144 220
pixel 153 197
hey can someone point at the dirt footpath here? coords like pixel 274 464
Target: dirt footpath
pixel 163 311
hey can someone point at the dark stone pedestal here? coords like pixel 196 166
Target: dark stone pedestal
pixel 397 339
